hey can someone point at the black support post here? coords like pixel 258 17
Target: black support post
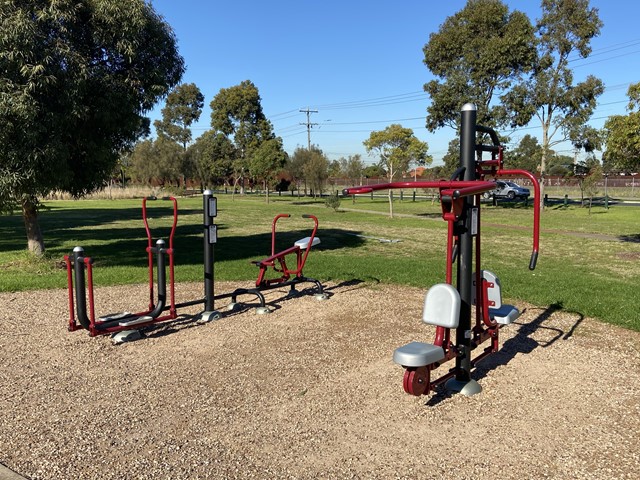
pixel 209 203
pixel 462 382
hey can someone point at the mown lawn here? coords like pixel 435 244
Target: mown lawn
pixel 589 263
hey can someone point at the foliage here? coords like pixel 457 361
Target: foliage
pixel 560 165
pixel 316 170
pixel 236 112
pixel 589 173
pixel 78 77
pixel 397 148
pixel 183 107
pixel 549 93
pixel 267 160
pixel 451 159
pixel 373 171
pixel 333 201
pixel 160 159
pixel 526 156
pixel 622 136
pixel 352 168
pixel 211 156
pixel 476 55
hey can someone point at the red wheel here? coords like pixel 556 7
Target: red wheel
pixel 416 381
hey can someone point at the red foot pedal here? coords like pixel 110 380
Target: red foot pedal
pixel 416 381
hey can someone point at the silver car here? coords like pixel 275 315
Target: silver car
pixel 508 189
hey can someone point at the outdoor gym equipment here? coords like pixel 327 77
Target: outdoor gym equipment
pixel 277 263
pixel 449 308
pixel 81 317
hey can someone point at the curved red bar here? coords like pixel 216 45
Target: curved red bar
pixel 536 211
pixel 456 188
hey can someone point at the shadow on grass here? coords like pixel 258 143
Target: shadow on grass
pixel 522 342
pixel 111 244
pixel 634 238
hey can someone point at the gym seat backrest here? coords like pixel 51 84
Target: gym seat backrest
pixel 442 306
pixel 494 293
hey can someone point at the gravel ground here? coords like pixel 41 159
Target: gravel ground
pixel 309 391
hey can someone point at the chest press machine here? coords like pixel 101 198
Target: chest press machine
pixel 446 307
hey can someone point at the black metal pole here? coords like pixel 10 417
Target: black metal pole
pixel 208 251
pixel 80 287
pixel 160 250
pixel 465 258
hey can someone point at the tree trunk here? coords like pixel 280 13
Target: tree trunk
pixel 35 242
pixel 390 204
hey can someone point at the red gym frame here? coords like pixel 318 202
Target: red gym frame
pixel 77 263
pixel 460 200
pixel 82 316
pixel 278 260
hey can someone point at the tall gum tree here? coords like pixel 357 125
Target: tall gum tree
pixel 476 55
pixel 549 94
pixel 78 77
pixel 237 113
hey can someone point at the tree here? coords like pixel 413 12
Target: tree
pixel 451 159
pixel 77 78
pixel 589 174
pixel 352 168
pixel 549 94
pixel 183 107
pixel 237 113
pixel 397 147
pixel 622 136
pixel 475 56
pixel 316 170
pixel 267 161
pixel 212 156
pixel 526 156
pixel 373 171
pixel 142 167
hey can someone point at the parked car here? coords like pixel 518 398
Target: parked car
pixel 508 189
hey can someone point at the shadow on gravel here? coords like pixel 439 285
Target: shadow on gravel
pixel 522 342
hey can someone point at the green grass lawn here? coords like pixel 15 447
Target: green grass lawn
pixel 588 264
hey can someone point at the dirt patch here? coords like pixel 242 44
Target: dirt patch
pixel 309 391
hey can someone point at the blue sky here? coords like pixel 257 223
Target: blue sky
pixel 358 63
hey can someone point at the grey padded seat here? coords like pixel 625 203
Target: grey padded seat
pixel 303 243
pixel 442 309
pixel 502 313
pixel 417 354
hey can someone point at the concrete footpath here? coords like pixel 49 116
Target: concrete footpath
pixel 6 474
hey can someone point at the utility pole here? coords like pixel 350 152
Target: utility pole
pixel 309 125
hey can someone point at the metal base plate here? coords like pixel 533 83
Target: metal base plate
pixel 126 336
pixel 468 388
pixel 209 316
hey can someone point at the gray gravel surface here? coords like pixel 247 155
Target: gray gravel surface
pixel 309 391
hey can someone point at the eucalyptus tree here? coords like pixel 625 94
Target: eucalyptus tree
pixel 352 168
pixel 549 94
pixel 476 56
pixel 212 155
pixel 183 107
pixel 397 147
pixel 266 161
pixel 236 112
pixel 622 136
pixel 526 156
pixel 316 170
pixel 78 77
